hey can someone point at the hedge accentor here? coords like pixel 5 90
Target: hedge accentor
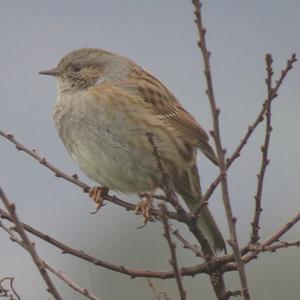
pixel 106 105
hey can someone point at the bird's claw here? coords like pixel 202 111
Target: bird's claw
pixel 143 208
pixel 97 193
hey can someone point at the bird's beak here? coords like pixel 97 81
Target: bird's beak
pixel 51 72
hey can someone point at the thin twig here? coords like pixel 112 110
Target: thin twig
pixel 260 117
pixel 5 292
pixel 69 282
pixel 220 151
pixel 157 295
pixel 13 288
pixel 29 246
pixel 186 244
pixel 273 238
pixel 166 182
pixel 190 220
pixel 42 160
pixel 172 247
pixel 275 246
pixel 264 149
pixel 46 265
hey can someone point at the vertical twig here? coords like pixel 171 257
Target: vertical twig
pixel 220 151
pixel 172 246
pixel 216 278
pixel 29 246
pixel 251 128
pixel 264 150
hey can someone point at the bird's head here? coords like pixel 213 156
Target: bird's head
pixel 85 67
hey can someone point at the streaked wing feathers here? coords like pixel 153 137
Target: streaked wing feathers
pixel 168 108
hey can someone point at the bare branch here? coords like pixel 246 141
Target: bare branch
pixel 186 244
pixel 289 65
pixel 251 129
pixel 264 150
pixel 172 247
pixel 222 264
pixel 69 282
pixel 273 238
pixel 46 265
pixel 75 180
pixel 42 160
pixel 191 221
pixel 220 151
pixel 133 273
pixel 275 246
pixel 29 246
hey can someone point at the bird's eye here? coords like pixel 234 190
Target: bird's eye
pixel 76 67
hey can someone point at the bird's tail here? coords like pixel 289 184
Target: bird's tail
pixel 207 223
pixel 188 186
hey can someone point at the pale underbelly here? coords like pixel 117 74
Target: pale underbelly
pixel 112 148
pixel 117 168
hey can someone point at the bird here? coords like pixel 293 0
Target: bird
pixel 105 108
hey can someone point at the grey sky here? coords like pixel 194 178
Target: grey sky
pixel 160 36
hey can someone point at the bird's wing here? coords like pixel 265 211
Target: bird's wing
pixel 168 108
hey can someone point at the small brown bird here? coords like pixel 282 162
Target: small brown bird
pixel 105 107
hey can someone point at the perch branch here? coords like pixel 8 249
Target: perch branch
pixel 75 180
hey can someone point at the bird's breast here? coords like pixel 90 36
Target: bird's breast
pixel 107 137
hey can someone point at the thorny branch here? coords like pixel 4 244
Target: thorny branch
pixel 70 283
pixel 29 246
pixel 224 262
pixel 264 149
pixel 48 266
pixel 172 248
pixel 260 117
pixel 75 180
pixel 220 151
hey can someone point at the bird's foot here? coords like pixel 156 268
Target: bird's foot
pixel 143 208
pixel 97 193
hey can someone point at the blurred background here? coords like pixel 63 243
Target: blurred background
pixel 161 36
